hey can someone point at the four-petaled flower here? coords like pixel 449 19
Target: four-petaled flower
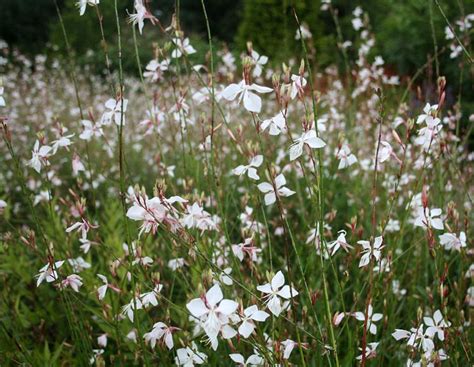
pixel 429 218
pixel 275 290
pixel 251 168
pixel 213 312
pixel 271 191
pixel 372 318
pixel 370 251
pixel 245 92
pixel 309 138
pixel 160 331
pixel 250 315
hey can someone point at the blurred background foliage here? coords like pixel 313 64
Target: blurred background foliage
pixel 403 30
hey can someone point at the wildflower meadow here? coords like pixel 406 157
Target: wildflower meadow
pixel 210 206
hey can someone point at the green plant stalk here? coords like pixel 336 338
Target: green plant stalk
pixel 320 203
pixel 136 320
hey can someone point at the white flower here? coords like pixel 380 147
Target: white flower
pixel 277 124
pixel 149 298
pixel 90 130
pixel 339 242
pixel 297 85
pixel 155 69
pixel 48 273
pixel 3 205
pixel 247 247
pixel 39 156
pixel 305 32
pixel 288 346
pixel 429 218
pixel 417 338
pixel 140 15
pixel 428 111
pixel 253 360
pixel 269 190
pixel 63 142
pixel 385 151
pixel 372 318
pixel 427 134
pixel 74 281
pixel 436 325
pixel 370 251
pixel 2 100
pixel 346 158
pixel 160 331
pixel 251 168
pixel 102 340
pixel 130 308
pixel 103 288
pixel 213 313
pixel 175 264
pixel 182 47
pixel 82 4
pixel 252 102
pixel 370 351
pixel 197 217
pixel 250 315
pixel 259 61
pixel 309 138
pixel 451 242
pixel 116 112
pixel 188 357
pixel 275 290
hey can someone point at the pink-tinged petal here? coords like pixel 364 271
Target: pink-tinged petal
pixel 364 260
pixel 287 292
pixel 136 213
pixel 435 212
pixel 274 305
pixel 227 307
pixel 231 91
pixel 437 223
pixel 266 288
pixel 214 295
pixel 228 332
pixel 400 334
pixel 270 198
pixel 285 191
pixel 373 329
pixel 257 161
pixel 169 341
pixel 110 104
pixel 265 187
pixel 255 360
pixel 377 317
pixel 246 329
pixel 260 316
pixel 280 180
pixel 237 358
pixel 252 173
pixel 428 321
pixel 250 310
pixel 239 170
pixel 197 307
pixel 252 102
pixel 315 143
pixel 278 280
pixel 260 88
pixel 296 150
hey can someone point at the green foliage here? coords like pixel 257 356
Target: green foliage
pixel 271 27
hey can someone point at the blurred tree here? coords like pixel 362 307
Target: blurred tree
pixel 25 23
